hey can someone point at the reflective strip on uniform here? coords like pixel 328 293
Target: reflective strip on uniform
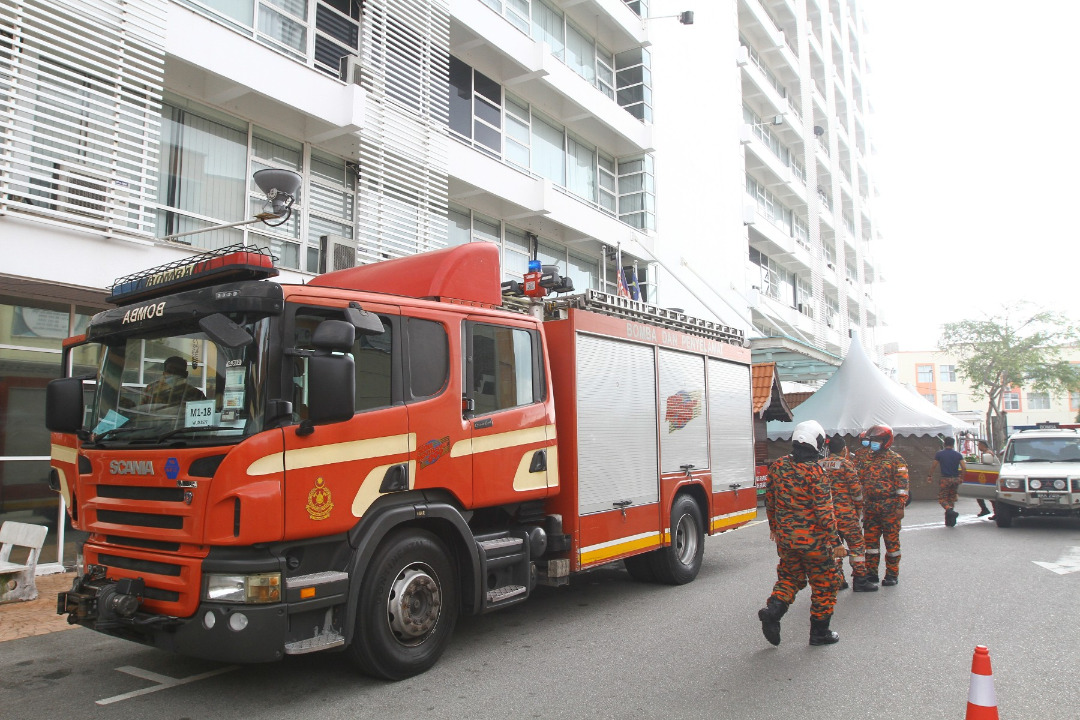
pixel 870 551
pixel 855 558
pixel 891 554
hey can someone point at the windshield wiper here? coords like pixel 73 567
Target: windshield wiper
pixel 112 432
pixel 193 429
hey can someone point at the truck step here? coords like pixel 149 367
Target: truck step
pixel 322 641
pixel 505 593
pixel 500 543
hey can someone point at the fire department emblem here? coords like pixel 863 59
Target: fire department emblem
pixel 432 450
pixel 319 503
pixel 682 407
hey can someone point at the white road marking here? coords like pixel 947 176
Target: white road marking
pixel 961 520
pixel 163 681
pixel 1067 563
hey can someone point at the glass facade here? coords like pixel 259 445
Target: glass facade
pixel 31 354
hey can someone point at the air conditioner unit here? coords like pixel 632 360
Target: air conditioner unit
pixel 336 253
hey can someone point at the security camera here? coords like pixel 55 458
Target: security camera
pixel 280 186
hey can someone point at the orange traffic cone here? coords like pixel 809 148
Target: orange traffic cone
pixel 982 702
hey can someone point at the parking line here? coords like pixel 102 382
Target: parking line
pixel 163 681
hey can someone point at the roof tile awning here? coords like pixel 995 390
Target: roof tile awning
pixel 768 396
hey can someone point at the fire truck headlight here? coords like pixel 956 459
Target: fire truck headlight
pixel 247 589
pixel 1059 484
pixel 1035 484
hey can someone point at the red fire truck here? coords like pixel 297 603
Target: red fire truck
pixel 269 469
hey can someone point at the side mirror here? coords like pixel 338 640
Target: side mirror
pixel 64 405
pixel 331 391
pixel 366 323
pixel 334 336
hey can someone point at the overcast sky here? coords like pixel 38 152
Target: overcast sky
pixel 974 107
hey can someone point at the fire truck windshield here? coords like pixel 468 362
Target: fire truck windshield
pixel 179 386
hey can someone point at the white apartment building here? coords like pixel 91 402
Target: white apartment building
pixel 130 127
pixel 768 99
pixel 127 125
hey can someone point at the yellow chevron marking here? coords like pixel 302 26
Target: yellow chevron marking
pixel 605 551
pixel 501 441
pixel 334 453
pixel 735 518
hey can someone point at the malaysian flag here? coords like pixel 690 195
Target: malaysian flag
pixel 620 279
pixel 630 274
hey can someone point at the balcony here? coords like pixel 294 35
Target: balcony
pixel 256 81
pixel 485 41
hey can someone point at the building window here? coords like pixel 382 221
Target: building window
pixel 1011 401
pixel 637 192
pixel 949 402
pixel 924 374
pixel 633 80
pixel 1039 401
pixel 1074 400
pixel 929 397
pixel 948 373
pixel 207 159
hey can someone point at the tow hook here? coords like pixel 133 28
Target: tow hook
pixel 94 597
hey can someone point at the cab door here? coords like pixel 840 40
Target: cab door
pixel 512 425
pixel 334 473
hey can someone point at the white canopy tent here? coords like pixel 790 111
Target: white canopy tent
pixel 859 395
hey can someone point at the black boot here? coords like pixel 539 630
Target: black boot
pixel 843 582
pixel 864 584
pixel 873 577
pixel 950 517
pixel 820 634
pixel 770 619
pixel 890 580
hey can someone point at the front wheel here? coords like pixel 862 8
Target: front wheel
pixel 679 562
pixel 1004 514
pixel 408 607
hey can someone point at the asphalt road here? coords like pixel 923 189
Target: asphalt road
pixel 608 647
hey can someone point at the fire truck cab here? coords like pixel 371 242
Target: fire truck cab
pixel 350 464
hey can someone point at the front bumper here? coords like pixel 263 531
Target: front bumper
pixel 223 632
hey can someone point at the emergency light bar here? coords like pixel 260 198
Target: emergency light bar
pixel 227 264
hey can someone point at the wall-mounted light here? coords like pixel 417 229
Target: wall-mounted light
pixel 686 17
pixel 281 188
pixel 818 130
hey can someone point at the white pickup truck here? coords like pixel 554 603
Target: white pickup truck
pixel 1039 475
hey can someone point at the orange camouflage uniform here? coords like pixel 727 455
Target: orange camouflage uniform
pixel 884 477
pixel 798 503
pixel 848 505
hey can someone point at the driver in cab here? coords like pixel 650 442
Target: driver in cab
pixel 172 388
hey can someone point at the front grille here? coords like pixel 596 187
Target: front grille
pixel 119 517
pixel 141 543
pixel 141 566
pixel 135 492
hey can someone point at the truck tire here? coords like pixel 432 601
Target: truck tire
pixel 1004 514
pixel 679 562
pixel 408 607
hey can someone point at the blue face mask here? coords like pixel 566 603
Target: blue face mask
pixel 866 443
pixel 875 446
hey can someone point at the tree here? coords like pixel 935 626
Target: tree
pixel 1018 348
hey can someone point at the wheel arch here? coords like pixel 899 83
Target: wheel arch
pixel 417 510
pixel 697 493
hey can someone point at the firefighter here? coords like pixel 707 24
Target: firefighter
pixel 884 477
pixel 798 503
pixel 848 506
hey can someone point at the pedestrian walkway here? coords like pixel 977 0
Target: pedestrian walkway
pixel 36 617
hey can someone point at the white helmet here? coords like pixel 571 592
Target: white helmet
pixel 810 434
